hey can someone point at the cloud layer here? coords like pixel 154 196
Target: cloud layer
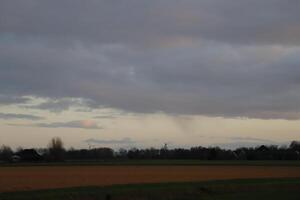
pixel 85 124
pixel 207 57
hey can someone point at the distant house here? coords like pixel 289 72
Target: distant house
pixel 263 148
pixel 298 154
pixel 15 158
pixel 29 155
pixel 239 154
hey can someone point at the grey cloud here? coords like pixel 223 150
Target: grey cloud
pixel 281 115
pixel 141 21
pixel 59 105
pixel 71 124
pixel 197 57
pixel 105 117
pixel 210 79
pixel 8 99
pixel 7 116
pixel 123 141
pixel 251 139
pixel 238 142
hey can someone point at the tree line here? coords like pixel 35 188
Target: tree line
pixel 56 152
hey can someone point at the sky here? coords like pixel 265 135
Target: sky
pixel 140 73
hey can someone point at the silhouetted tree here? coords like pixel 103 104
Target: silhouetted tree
pixel 6 153
pixel 56 152
pixel 90 154
pixel 56 149
pixel 122 153
pixel 295 145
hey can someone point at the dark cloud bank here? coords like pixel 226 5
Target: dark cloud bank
pixel 207 57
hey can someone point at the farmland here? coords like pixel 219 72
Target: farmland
pixel 158 162
pixel 49 177
pixel 259 189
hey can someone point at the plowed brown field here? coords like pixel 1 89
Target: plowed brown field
pixel 31 178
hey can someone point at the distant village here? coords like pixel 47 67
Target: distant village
pixel 55 152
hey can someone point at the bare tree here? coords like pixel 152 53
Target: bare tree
pixel 56 149
pixel 6 153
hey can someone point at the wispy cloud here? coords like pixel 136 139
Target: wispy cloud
pixel 237 142
pixel 84 124
pixel 123 141
pixel 7 116
pixel 9 99
pixel 58 105
pixel 105 117
pixel 251 139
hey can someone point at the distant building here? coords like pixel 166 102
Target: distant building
pixel 15 158
pixel 29 155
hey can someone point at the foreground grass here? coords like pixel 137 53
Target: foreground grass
pixel 259 189
pixel 160 162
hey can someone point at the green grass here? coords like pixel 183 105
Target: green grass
pixel 159 162
pixel 258 189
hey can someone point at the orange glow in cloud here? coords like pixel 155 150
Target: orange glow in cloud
pixel 88 123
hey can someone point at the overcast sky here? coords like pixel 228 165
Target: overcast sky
pixel 142 73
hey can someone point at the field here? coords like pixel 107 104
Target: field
pixel 258 189
pixel 163 162
pixel 47 177
pixel 177 179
